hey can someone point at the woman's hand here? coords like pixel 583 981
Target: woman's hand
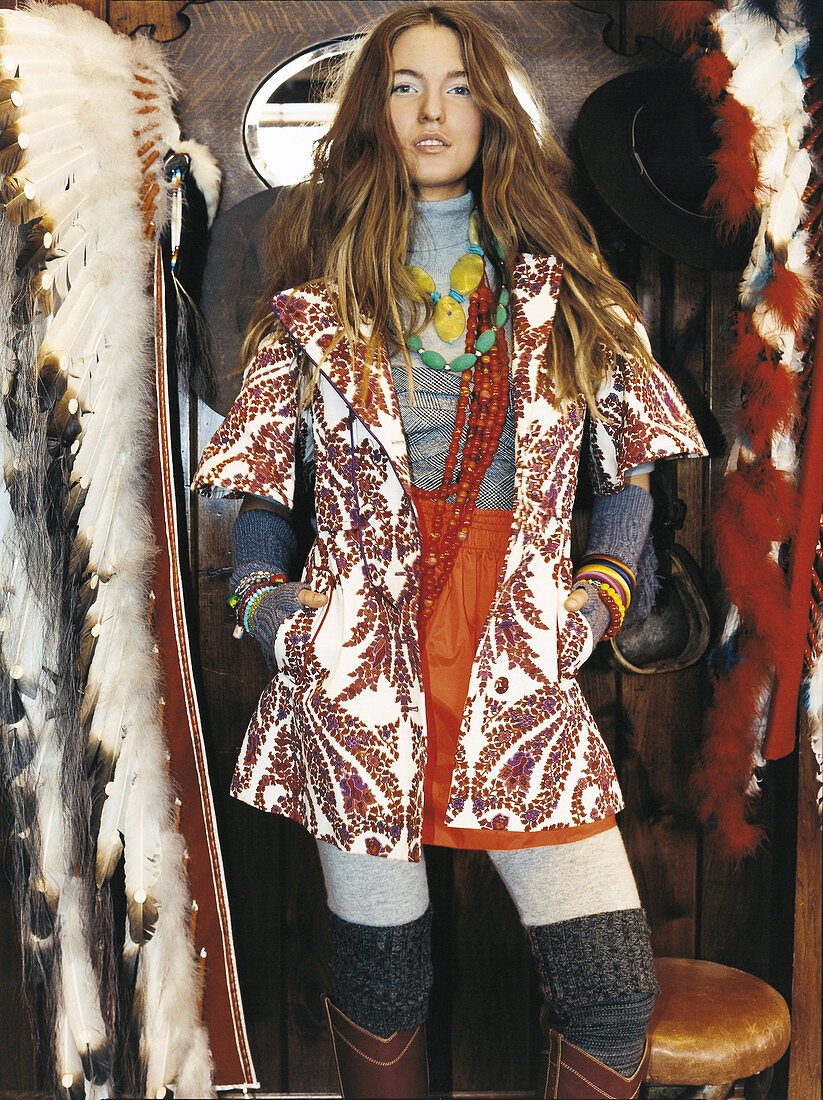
pixel 311 599
pixel 576 600
pixel 586 600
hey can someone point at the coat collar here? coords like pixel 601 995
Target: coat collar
pixel 308 314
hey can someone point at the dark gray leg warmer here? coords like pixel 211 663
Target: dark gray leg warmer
pixel 382 976
pixel 598 976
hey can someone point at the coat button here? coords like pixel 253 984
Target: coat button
pixel 501 685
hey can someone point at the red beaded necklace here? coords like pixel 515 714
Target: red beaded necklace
pixel 485 406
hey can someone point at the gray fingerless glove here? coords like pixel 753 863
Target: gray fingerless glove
pixel 620 527
pixel 270 614
pixel 264 541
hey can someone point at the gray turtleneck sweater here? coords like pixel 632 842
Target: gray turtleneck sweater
pixel 441 238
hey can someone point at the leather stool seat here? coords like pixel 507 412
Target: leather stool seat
pixel 713 1024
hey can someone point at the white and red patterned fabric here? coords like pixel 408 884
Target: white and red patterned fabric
pixel 338 739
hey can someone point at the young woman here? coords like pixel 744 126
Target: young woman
pixel 453 347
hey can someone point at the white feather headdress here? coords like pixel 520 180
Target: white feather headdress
pixel 86 121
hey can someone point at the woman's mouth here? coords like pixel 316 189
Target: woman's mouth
pixel 431 144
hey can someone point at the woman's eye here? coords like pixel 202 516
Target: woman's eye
pixel 462 89
pixel 402 89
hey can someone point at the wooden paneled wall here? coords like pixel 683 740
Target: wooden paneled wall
pixel 483 1037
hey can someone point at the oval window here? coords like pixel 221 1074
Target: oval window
pixel 287 113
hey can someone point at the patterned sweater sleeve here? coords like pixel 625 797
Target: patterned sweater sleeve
pixel 253 450
pixel 642 418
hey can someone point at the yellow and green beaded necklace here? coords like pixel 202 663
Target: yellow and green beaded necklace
pixel 449 315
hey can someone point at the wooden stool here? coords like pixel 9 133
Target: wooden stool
pixel 712 1028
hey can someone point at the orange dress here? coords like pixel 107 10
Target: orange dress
pixel 448 642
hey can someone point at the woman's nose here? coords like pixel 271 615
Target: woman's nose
pixel 431 107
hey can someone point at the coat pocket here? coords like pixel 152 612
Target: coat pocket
pixel 575 642
pixel 297 635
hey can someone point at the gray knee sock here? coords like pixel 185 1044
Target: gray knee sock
pixel 598 975
pixel 382 976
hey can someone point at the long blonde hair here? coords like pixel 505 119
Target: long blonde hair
pixel 350 223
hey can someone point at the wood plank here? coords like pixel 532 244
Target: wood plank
pixel 307 1052
pixel 163 19
pixel 736 913
pixel 494 983
pixel 807 994
pixel 659 713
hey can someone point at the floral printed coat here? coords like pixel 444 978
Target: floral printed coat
pixel 338 741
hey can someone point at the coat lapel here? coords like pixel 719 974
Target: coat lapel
pixel 309 316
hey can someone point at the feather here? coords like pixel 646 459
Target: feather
pixel 36 249
pixel 86 596
pixel 10 107
pixel 40 183
pixel 683 18
pixel 40 136
pixel 24 642
pixel 52 867
pixel 66 268
pixel 64 424
pixel 81 991
pixel 80 550
pixel 790 296
pixel 73 328
pixel 51 383
pixel 732 196
pixel 44 235
pixel 70 1075
pixel 113 813
pixel 712 72
pixel 70 93
pixel 206 172
pixel 104 744
pixel 97 517
pixel 169 963
pixel 26 25
pixel 141 839
pixel 731 752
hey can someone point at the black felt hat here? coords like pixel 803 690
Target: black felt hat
pixel 645 139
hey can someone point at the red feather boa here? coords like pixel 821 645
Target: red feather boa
pixel 732 197
pixel 684 18
pixel 712 72
pixel 719 786
pixel 757 505
pixel 790 298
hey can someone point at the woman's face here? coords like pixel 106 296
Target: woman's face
pixel 434 116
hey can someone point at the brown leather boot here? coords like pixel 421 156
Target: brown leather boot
pixel 571 1074
pixel 368 1066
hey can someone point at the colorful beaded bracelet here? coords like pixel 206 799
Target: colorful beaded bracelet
pixel 617 612
pixel 260 576
pixel 602 575
pixel 612 563
pixel 602 568
pixel 247 596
